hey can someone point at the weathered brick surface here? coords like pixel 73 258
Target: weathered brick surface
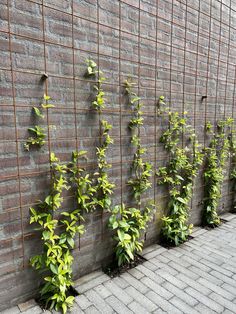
pixel 182 51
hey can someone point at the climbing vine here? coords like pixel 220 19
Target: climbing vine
pixel 178 174
pixel 216 156
pixel 140 182
pixel 130 222
pixel 38 132
pixel 103 186
pixel 58 235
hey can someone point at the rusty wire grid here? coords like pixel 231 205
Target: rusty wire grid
pixel 170 58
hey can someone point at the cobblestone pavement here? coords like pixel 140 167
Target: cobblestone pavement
pixel 198 277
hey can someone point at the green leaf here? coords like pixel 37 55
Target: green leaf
pixel 54 269
pixel 38 112
pixel 71 242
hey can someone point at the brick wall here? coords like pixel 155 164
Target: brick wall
pixel 177 48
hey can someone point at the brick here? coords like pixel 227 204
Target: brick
pixel 179 293
pixel 221 300
pixel 181 305
pixel 141 298
pixel 212 304
pixel 150 274
pixel 117 305
pixel 12 310
pixel 90 281
pixel 118 292
pixel 194 284
pixel 83 301
pixel 134 283
pixel 103 291
pixel 216 289
pixel 160 302
pixel 91 310
pixel 98 302
pixel 156 287
pixel 27 305
pixel 137 308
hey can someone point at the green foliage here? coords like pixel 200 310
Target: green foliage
pixel 216 157
pixel 140 182
pixel 103 186
pixel 56 259
pixel 178 175
pixel 38 133
pixel 99 102
pixel 128 223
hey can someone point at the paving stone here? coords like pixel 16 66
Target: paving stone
pixel 140 298
pixel 203 309
pixel 205 275
pixel 118 292
pixel 161 302
pixel 184 270
pixel 180 293
pixel 83 301
pixel 157 288
pixel 137 308
pixel 118 306
pixel 135 283
pixel 174 280
pixel 135 273
pixel 182 306
pixel 154 253
pixel 150 274
pixel 217 289
pixel 81 288
pixel 33 310
pixel 92 310
pixel 12 310
pixel 122 283
pixel 224 278
pixel 213 305
pixel 102 291
pixel 225 303
pixel 194 284
pixel 27 305
pixel 96 300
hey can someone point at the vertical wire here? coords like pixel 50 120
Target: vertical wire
pixel 74 96
pixel 218 68
pixel 99 111
pixel 171 50
pixel 225 101
pixel 196 75
pixel 16 132
pixel 46 81
pixel 208 70
pixel 120 107
pixel 185 47
pixel 155 109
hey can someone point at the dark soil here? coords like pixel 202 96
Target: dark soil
pixel 169 245
pixel 113 270
pixel 222 221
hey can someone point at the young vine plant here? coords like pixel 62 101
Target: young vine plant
pixel 216 156
pixel 178 174
pixel 104 188
pixel 129 223
pixel 38 132
pixel 58 234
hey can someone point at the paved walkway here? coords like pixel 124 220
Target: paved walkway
pixel 198 277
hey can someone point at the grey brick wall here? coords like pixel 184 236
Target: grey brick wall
pixel 180 49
